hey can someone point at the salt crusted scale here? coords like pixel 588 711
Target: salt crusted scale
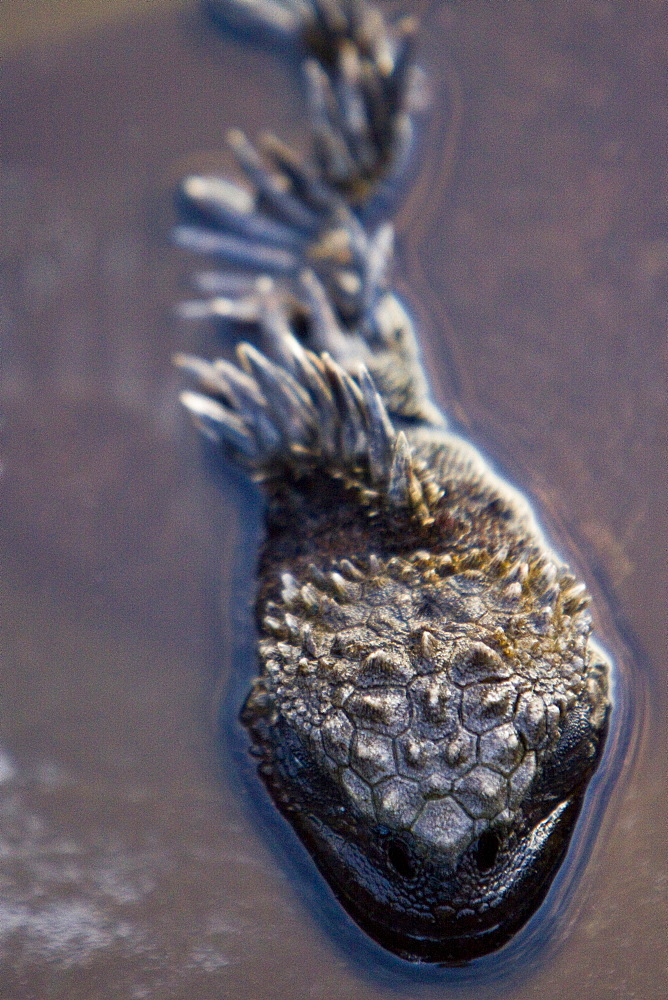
pixel 431 702
pixel 432 725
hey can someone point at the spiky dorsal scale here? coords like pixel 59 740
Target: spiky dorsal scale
pixel 314 418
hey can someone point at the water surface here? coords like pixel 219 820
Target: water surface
pixel 138 857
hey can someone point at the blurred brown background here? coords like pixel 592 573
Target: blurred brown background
pixel 134 861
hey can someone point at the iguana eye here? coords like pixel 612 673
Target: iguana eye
pixel 401 858
pixel 487 850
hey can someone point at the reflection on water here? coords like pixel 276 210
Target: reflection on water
pixel 137 857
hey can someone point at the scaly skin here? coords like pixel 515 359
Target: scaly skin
pixel 431 703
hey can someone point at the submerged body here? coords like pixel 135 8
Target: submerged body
pixel 431 703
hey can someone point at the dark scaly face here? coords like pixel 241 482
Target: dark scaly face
pixel 428 724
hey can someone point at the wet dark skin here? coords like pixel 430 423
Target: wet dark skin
pixel 431 703
pixel 413 888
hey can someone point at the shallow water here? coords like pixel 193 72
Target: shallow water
pixel 138 855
